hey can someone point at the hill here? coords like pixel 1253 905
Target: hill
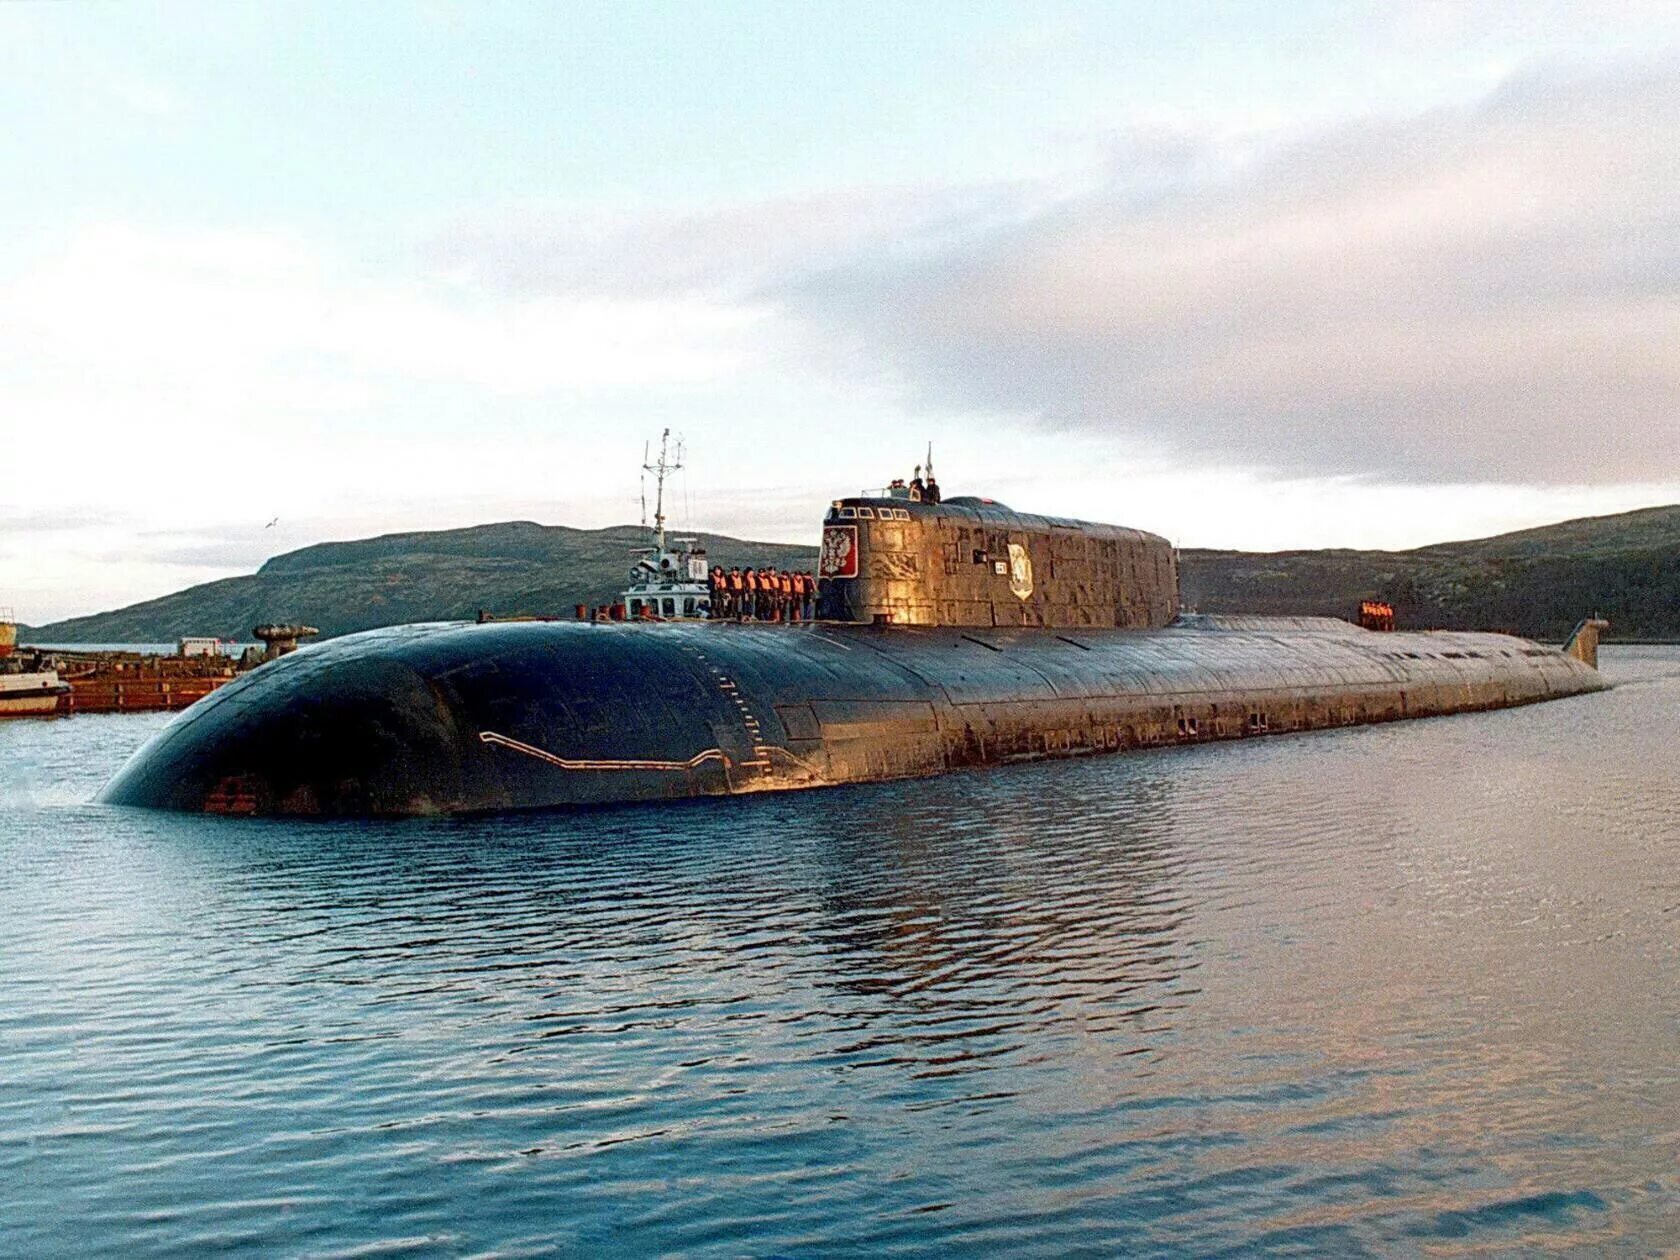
pixel 1537 582
pixel 341 587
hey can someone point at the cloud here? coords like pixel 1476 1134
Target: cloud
pixel 726 253
pixel 1487 293
pixel 222 317
pixel 50 522
pixel 219 555
pixel 1478 293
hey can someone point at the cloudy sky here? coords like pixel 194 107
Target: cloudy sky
pixel 1248 275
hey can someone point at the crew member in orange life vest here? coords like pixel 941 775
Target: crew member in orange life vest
pixel 719 590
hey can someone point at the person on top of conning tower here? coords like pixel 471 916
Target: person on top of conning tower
pixel 918 491
pixel 930 492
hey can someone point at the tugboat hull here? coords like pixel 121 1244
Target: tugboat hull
pixel 31 695
pixel 466 718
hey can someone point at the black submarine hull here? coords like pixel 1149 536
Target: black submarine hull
pixel 455 718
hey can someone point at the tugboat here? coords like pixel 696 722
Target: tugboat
pixel 26 689
pixel 670 579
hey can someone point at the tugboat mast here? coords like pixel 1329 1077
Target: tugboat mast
pixel 670 579
pixel 661 469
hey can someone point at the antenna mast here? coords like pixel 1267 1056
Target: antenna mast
pixel 666 465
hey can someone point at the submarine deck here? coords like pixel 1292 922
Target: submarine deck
pixel 461 717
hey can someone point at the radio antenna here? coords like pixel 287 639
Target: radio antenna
pixel 644 484
pixel 664 467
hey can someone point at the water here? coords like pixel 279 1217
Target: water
pixel 1398 990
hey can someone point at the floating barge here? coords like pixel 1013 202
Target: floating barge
pixel 135 682
pixel 46 682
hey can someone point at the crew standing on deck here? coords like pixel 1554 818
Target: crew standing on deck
pixel 719 588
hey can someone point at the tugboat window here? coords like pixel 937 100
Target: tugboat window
pixel 670 607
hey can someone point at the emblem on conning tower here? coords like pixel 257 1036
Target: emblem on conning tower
pixel 1020 571
pixel 839 552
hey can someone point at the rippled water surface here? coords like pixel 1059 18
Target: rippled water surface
pixel 1404 989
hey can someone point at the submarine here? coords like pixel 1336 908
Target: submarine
pixel 948 635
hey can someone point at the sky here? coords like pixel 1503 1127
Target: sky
pixel 1245 274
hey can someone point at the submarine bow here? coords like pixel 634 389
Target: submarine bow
pixel 448 718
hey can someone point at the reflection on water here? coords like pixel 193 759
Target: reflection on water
pixel 1396 989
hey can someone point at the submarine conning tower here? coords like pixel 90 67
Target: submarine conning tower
pixel 975 562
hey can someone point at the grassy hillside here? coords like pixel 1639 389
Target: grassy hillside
pixel 1538 582
pixel 515 567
